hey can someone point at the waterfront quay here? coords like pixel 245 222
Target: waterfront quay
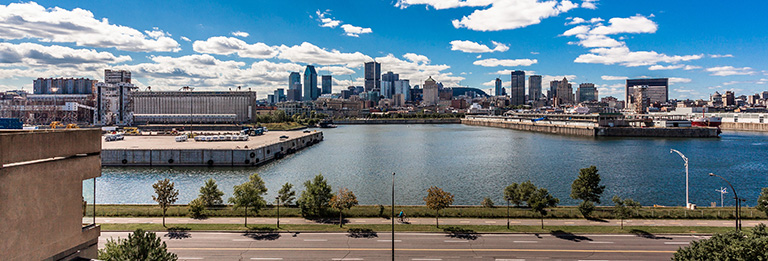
pixel 592 125
pixel 160 150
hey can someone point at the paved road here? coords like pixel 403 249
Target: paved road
pixel 416 246
pixel 443 221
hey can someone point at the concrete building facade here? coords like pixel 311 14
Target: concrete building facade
pixel 372 76
pixel 586 92
pixel 63 86
pixel 242 104
pixel 111 76
pixel 327 84
pixel 431 93
pixel 564 92
pixel 497 87
pixel 534 87
pixel 517 88
pixel 657 90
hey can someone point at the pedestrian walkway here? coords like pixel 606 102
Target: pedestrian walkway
pixel 431 221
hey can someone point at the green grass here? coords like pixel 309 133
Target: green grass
pixel 423 211
pixel 639 230
pixel 283 126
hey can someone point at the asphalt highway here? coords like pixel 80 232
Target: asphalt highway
pixel 416 246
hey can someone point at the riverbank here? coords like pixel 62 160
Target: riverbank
pixel 398 121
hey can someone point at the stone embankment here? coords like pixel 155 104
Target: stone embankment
pixel 580 129
pixel 400 121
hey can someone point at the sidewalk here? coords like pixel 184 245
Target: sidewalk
pixel 431 221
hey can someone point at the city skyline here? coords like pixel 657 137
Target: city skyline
pixel 466 43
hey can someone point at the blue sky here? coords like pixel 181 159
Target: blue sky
pixel 702 46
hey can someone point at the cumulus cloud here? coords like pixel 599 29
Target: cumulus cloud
pixel 490 83
pixel 493 62
pixel 661 67
pixel 417 58
pixel 241 34
pixel 228 45
pixel 720 55
pixel 673 80
pixel 355 31
pixel 31 20
pixel 327 21
pixel 613 78
pixel 635 24
pixel 589 4
pixel 32 54
pixel 575 20
pixel 623 56
pixel 473 47
pixel 312 54
pixel 336 70
pixel 417 72
pixel 496 15
pixel 185 39
pixel 730 70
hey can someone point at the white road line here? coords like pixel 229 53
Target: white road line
pixel 389 240
pixel 676 243
pixel 190 258
pixel 510 259
pixel 426 259
pixel 266 258
pixel 346 258
pixel 600 242
pixel 525 241
pixel 490 222
pixel 464 221
pixel 315 240
pixel 360 221
pixel 455 241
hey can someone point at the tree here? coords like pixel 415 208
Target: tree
pixel 762 201
pixel 286 194
pixel 518 194
pixel 624 208
pixel 344 199
pixel 249 195
pixel 140 245
pixel 587 188
pixel 314 200
pixel 487 202
pixel 196 208
pixel 438 199
pixel 210 193
pixel 734 245
pixel 540 200
pixel 166 195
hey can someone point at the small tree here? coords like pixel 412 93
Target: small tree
pixel 315 198
pixel 624 208
pixel 165 196
pixel 196 208
pixel 762 201
pixel 519 193
pixel 249 195
pixel 540 200
pixel 210 193
pixel 344 199
pixel 140 245
pixel 286 194
pixel 734 245
pixel 487 202
pixel 438 199
pixel 587 188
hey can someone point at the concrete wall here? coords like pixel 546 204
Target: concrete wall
pixel 659 132
pixel 595 131
pixel 204 157
pixel 744 126
pixel 41 201
pixel 536 127
pixel 414 121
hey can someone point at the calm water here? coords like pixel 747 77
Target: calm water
pixel 475 162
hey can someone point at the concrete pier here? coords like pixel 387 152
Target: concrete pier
pixel 165 151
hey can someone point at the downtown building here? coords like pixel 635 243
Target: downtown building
pixel 294 87
pixel 497 88
pixel 327 84
pixel 534 87
pixel 586 92
pixel 656 91
pixel 431 93
pixel 311 92
pixel 372 76
pixel 63 86
pixel 517 88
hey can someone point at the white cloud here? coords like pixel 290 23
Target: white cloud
pixel 490 83
pixel 634 24
pixel 673 80
pixel 493 62
pixel 730 70
pixel 623 56
pixel 241 34
pixel 355 31
pixel 443 4
pixel 32 54
pixel 613 78
pixel 575 20
pixel 760 81
pixel 31 20
pixel 228 45
pixel 661 67
pixel 417 58
pixel 336 70
pixel 327 21
pixel 185 39
pixel 720 55
pixel 505 15
pixel 311 54
pixel 589 4
pixel 615 90
pixel 473 47
pixel 597 40
pixel 691 67
pixel 417 72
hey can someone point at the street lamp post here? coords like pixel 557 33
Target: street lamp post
pixel 736 197
pixel 687 202
pixel 393 216
pixel 278 211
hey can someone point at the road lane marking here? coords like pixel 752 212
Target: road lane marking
pixel 266 258
pixel 600 242
pixel 389 240
pixel 676 243
pixel 360 221
pixel 426 259
pixel 420 249
pixel 190 258
pixel 490 222
pixel 347 258
pixel 455 241
pixel 315 240
pixel 464 221
pixel 510 259
pixel 525 241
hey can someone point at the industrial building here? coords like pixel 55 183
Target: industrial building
pixel 63 86
pixel 657 90
pixel 194 106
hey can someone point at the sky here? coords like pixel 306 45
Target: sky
pixel 701 46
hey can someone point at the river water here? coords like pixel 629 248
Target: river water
pixel 475 162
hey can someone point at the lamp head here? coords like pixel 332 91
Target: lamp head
pixel 711 174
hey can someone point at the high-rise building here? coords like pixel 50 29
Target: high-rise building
pixel 657 89
pixel 586 92
pixel 327 84
pixel 391 78
pixel 294 86
pixel 310 84
pixel 517 88
pixel 121 76
pixel 730 100
pixel 497 90
pixel 372 76
pixel 564 93
pixel 387 89
pixel 534 87
pixel 403 87
pixel 552 93
pixel 431 93
pixel 279 95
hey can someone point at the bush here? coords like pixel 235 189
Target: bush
pixel 487 202
pixel 586 208
pixel 140 245
pixel 734 245
pixel 197 208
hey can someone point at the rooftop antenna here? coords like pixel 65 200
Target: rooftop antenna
pixel 722 191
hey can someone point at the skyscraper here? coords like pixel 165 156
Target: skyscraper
pixel 372 76
pixel 327 84
pixel 403 87
pixel 111 76
pixel 564 92
pixel 586 92
pixel 431 95
pixel 534 87
pixel 294 86
pixel 310 84
pixel 497 91
pixel 391 78
pixel 517 88
pixel 657 90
